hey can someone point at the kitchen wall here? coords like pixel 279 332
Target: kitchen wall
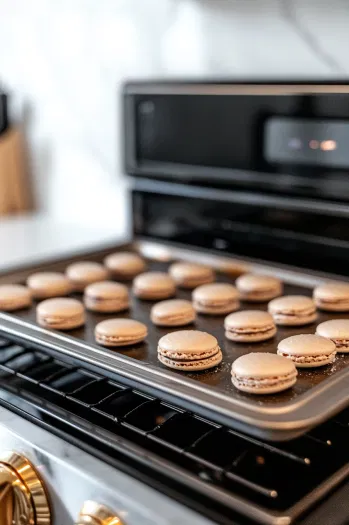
pixel 64 61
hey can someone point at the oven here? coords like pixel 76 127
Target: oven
pixel 228 175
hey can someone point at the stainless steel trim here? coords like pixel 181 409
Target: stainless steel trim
pixel 288 273
pixel 196 88
pixel 300 204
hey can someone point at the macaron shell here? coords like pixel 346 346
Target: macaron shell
pixel 187 356
pixel 175 312
pixel 106 305
pixel 49 284
pixel 292 305
pixel 263 373
pixel 317 363
pixel 338 331
pixel 258 288
pixel 64 324
pixel 14 297
pixel 60 313
pixel 120 332
pixel 308 350
pixel 107 290
pixel 262 365
pixel 259 296
pixel 254 281
pixel 342 306
pixel 190 284
pixel 280 387
pixel 188 341
pixel 294 320
pixel 332 297
pixel 335 328
pixel 154 285
pixel 192 366
pixel 190 275
pixel 84 273
pixel 216 292
pixel 106 296
pixel 249 326
pixel 123 342
pixel 331 290
pixel 251 338
pixel 249 319
pixel 216 298
pixel 125 265
pixel 216 310
pixel 306 344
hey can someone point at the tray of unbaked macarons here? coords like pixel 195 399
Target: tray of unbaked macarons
pixel 258 349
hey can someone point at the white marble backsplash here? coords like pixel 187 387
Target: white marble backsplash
pixel 64 62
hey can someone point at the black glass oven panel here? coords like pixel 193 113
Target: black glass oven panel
pixel 222 131
pixel 227 139
pixel 288 236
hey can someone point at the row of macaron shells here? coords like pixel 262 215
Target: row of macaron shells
pixel 190 350
pixel 219 298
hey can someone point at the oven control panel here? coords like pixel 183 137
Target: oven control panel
pixel 44 480
pixel 285 138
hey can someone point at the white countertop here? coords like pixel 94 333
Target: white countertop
pixel 34 238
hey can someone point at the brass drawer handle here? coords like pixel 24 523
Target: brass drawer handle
pixel 23 499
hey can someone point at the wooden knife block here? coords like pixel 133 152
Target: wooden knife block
pixel 15 190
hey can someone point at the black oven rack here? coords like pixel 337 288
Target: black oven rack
pixel 227 461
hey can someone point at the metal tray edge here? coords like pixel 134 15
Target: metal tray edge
pixel 274 423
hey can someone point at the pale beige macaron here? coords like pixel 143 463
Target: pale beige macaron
pixel 308 350
pixel 263 373
pixel 106 296
pixel 332 297
pixel 293 310
pixel 49 284
pixel 190 275
pixel 83 273
pixel 258 288
pixel 60 313
pixel 189 350
pixel 216 298
pixel 14 297
pixel 174 312
pixel 249 326
pixel 125 266
pixel 120 332
pixel 338 331
pixel 154 285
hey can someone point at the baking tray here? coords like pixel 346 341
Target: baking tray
pixel 318 394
